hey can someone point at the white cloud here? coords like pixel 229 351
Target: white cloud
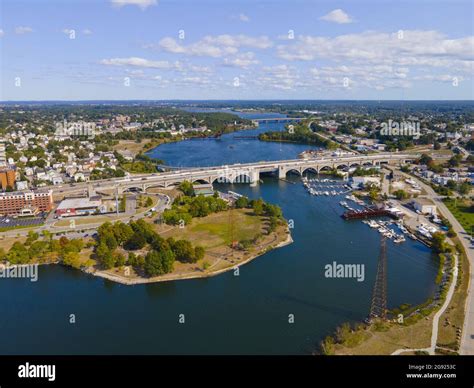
pixel 280 77
pixel 143 4
pixel 377 77
pixel 439 78
pixel 20 30
pixel 1 33
pixel 337 16
pixel 417 48
pixel 241 17
pixel 214 46
pixel 140 62
pixel 86 31
pixel 243 60
pixel 198 69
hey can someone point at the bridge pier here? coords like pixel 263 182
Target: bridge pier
pixel 254 177
pixel 281 172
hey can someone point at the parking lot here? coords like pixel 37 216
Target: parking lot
pixel 10 222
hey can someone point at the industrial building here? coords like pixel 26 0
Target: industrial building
pixel 80 207
pixel 424 206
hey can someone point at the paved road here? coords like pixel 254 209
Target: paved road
pixel 467 340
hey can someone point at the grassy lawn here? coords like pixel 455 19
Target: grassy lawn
pixel 6 243
pixel 461 209
pixel 142 199
pixel 385 339
pixel 131 145
pixel 214 231
pixel 83 220
pixel 6 229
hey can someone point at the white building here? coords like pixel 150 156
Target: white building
pixel 363 181
pixel 424 206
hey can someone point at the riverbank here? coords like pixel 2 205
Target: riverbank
pixel 445 317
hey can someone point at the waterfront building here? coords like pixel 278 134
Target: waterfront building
pixel 203 189
pixel 424 206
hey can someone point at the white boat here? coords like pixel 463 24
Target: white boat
pixel 373 224
pixel 399 239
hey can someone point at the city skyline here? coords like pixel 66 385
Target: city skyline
pixel 149 50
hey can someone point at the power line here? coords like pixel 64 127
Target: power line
pixel 378 308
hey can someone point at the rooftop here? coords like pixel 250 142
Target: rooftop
pixel 77 203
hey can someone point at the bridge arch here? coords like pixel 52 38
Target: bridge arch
pixel 155 185
pixel 313 170
pixel 201 181
pixel 325 168
pixel 222 179
pixel 242 178
pixel 293 171
pixel 133 189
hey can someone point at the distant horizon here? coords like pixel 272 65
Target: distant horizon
pixel 231 100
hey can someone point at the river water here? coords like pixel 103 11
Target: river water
pixel 226 314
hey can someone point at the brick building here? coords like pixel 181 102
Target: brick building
pixel 15 202
pixel 7 178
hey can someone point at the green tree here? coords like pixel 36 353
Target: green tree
pixel 153 264
pixel 425 159
pixel 438 242
pixel 184 251
pixel 187 188
pixel 464 188
pixel 199 253
pixel 455 160
pixel 136 241
pixel 123 203
pixel 242 202
pixel 18 254
pixel 400 194
pixel 149 202
pixel 72 259
pixel 257 207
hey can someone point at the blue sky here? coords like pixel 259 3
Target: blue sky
pixel 147 49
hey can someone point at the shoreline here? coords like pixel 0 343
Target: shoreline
pixel 170 277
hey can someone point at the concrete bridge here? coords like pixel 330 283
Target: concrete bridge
pixel 278 120
pixel 243 173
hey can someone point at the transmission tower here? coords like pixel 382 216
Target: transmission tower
pixel 378 308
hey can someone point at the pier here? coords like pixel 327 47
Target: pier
pixel 368 212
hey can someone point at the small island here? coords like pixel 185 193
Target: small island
pixel 197 237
